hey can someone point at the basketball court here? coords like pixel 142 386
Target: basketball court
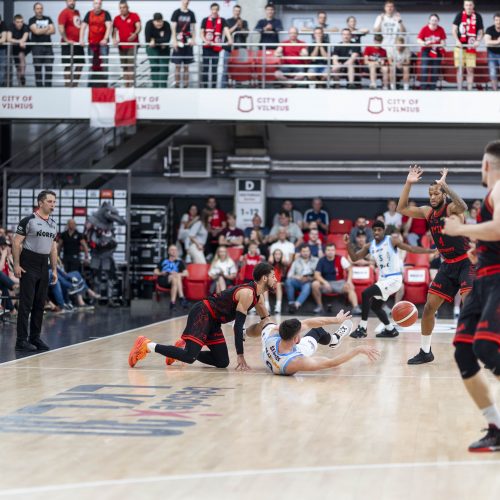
pixel 78 423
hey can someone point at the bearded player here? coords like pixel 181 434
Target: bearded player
pixel 456 273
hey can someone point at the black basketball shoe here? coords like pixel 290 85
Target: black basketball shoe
pixel 40 345
pixel 490 442
pixel 359 333
pixel 387 333
pixel 25 346
pixel 421 358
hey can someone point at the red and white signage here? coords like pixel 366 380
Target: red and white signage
pixel 112 107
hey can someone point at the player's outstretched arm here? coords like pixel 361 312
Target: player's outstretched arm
pixel 245 297
pixel 310 323
pixel 403 207
pixel 457 205
pixel 355 256
pixel 410 248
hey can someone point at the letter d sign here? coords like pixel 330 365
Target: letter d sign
pixel 249 186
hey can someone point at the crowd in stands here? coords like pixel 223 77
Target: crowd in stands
pixel 299 58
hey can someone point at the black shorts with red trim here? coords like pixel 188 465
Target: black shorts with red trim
pixel 202 328
pixel 452 278
pixel 480 315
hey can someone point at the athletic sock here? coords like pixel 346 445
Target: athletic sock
pixel 425 343
pixel 278 304
pixel 492 415
pixel 268 306
pixel 363 323
pixel 151 346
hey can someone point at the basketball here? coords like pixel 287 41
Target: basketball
pixel 404 313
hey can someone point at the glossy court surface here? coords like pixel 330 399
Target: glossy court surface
pixel 78 423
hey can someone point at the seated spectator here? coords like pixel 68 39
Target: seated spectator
pixel 492 40
pixel 231 236
pixel 293 232
pixel 314 243
pixel 391 217
pixel 18 37
pixel 471 217
pixel 197 238
pixel 250 259
pixel 432 39
pixel 269 28
pixel 187 220
pixel 321 22
pixel 295 215
pixel 170 272
pixel 344 59
pixel 41 28
pixel 222 271
pixel 257 237
pixel 74 286
pixel 8 286
pixel 477 205
pixel 286 247
pixel 319 54
pixel 158 34
pixel 360 225
pixel 257 226
pixel 375 57
pixel 360 242
pixel 280 270
pixel 73 55
pixel 313 226
pixel 400 60
pixel 318 215
pixel 299 278
pixel 333 274
pixel 356 33
pixel 293 54
pixel 413 229
pixel 217 224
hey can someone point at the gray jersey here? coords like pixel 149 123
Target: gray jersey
pixel 39 233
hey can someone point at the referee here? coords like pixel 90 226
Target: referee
pixel 36 235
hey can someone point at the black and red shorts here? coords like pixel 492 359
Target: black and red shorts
pixel 202 328
pixel 480 315
pixel 453 277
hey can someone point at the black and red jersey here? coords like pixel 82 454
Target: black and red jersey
pixel 222 306
pixel 452 248
pixel 488 252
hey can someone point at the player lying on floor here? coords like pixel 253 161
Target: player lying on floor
pixel 286 352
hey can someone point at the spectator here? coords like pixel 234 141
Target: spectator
pixel 471 216
pixel 391 217
pixel 432 39
pixel 414 229
pixel 250 260
pixel 231 236
pixel 333 274
pixel 360 241
pixel 468 30
pixel 314 243
pixel 257 237
pixel 198 234
pixel 280 269
pixel 257 226
pixel 400 62
pixel 318 215
pixel 389 24
pixel 238 28
pixel 299 278
pixel 42 28
pixel 3 52
pixel 217 224
pixel 269 28
pixel 158 35
pixel 7 285
pixel 295 214
pixel 170 272
pixel 319 54
pixel 292 54
pixel 70 243
pixel 187 220
pixel 376 59
pixel 313 226
pixel 213 29
pixel 477 205
pixel 286 247
pixel 222 271
pixel 71 285
pixel 344 59
pixel 72 52
pixel 183 40
pixel 293 232
pixel 321 23
pixel 360 225
pixel 126 29
pixel 18 37
pixel 356 33
pixel 492 39
pixel 99 24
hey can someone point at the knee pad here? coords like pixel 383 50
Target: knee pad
pixel 487 351
pixel 466 360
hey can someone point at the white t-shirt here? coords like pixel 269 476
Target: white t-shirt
pixel 222 267
pixel 390 29
pixel 287 249
pixel 393 220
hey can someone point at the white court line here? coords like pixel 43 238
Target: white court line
pixel 88 341
pixel 245 473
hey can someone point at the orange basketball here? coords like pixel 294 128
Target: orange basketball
pixel 404 313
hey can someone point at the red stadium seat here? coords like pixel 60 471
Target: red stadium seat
pixel 240 277
pixel 362 278
pixel 340 226
pixel 235 253
pixel 342 252
pixel 416 281
pixel 337 240
pixel 241 65
pixel 266 64
pixel 417 260
pixel 158 289
pixel 197 282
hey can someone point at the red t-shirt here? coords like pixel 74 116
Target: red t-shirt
pixel 126 27
pixel 70 19
pixel 250 262
pixel 436 36
pixel 375 53
pixel 218 217
pixel 291 53
pixel 418 226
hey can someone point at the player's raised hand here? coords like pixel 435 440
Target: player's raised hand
pixel 414 174
pixel 342 316
pixel 347 239
pixel 370 352
pixel 443 173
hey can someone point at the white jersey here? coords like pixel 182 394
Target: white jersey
pixel 390 28
pixel 386 258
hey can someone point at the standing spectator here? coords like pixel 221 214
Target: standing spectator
pixel 238 28
pixel 187 220
pixel 314 243
pixel 222 271
pixel 300 277
pixel 400 61
pixel 356 33
pixel 293 232
pixel 217 224
pixel 414 229
pixel 333 274
pixel 158 35
pixel 99 24
pixel 280 269
pixel 126 29
pixel 72 52
pixel 344 59
pixel 389 24
pixel 292 54
pixel 170 272
pixel 18 37
pixel 318 215
pixel 321 22
pixel 70 243
pixel 376 59
pixel 3 52
pixel 231 236
pixel 391 217
pixel 468 30
pixel 492 39
pixel 256 226
pixel 198 234
pixel 432 39
pixel 319 54
pixel 286 247
pixel 269 28
pixel 250 260
pixel 42 28
pixel 360 225
pixel 213 29
pixel 183 40
pixel 295 214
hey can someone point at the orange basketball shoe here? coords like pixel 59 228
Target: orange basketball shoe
pixel 138 351
pixel 180 344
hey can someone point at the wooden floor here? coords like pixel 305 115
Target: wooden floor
pixel 78 423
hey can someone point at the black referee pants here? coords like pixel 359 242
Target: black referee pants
pixel 34 284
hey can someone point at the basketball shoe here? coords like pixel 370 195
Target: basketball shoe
pixel 344 330
pixel 490 442
pixel 139 350
pixel 421 358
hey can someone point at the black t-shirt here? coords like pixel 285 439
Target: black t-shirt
pixel 71 244
pixel 184 21
pixel 356 38
pixel 343 52
pixel 18 34
pixel 479 22
pixel 237 37
pixel 42 22
pixel 3 28
pixel 321 62
pixel 160 36
pixel 494 36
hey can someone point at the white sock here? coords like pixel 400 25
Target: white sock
pixel 363 323
pixel 268 306
pixel 492 415
pixel 278 304
pixel 151 346
pixel 425 343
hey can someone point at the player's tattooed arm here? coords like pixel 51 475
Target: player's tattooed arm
pixel 404 207
pixel 355 256
pixel 458 205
